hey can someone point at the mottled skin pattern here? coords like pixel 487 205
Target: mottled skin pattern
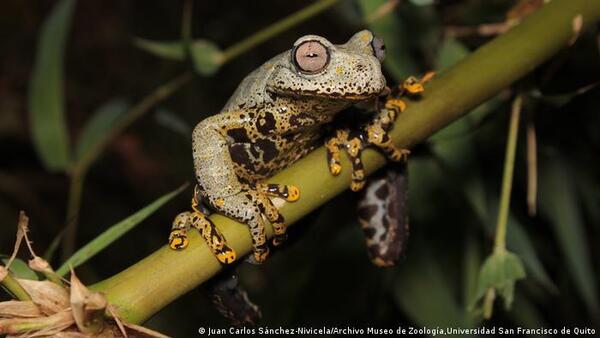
pixel 383 215
pixel 273 119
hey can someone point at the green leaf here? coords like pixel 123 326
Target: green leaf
pixel 422 2
pixel 19 268
pixel 170 50
pixel 518 241
pixel 172 122
pixel 115 232
pixel 500 271
pixel 46 94
pixel 100 124
pixel 207 57
pixel 559 204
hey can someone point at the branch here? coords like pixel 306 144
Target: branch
pixel 146 287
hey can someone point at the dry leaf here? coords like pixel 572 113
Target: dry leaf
pixel 50 297
pixel 88 307
pixel 14 308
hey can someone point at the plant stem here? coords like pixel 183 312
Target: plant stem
pixel 532 178
pixel 274 29
pixel 507 178
pixel 82 166
pixel 149 285
pixel 11 284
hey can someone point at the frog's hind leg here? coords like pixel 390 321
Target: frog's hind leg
pixel 212 236
pixel 289 193
pixel 244 207
pixel 232 301
pixel 178 238
pixel 274 216
pixel 383 215
pixel 198 219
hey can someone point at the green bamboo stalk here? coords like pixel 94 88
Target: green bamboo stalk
pixel 146 287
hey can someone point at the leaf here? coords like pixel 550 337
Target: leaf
pixel 500 271
pixel 206 56
pixel 173 122
pixel 559 204
pixel 422 2
pixel 46 94
pixel 115 232
pixel 518 241
pixel 100 124
pixel 170 50
pixel 20 269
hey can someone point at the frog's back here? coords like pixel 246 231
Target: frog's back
pixel 251 92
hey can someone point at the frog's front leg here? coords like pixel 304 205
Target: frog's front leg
pixel 353 142
pixel 220 187
pixel 374 133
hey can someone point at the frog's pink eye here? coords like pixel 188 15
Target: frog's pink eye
pixel 310 56
pixel 378 48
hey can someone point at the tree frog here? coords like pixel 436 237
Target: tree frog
pixel 275 117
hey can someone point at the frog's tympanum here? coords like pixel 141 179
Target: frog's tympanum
pixel 276 116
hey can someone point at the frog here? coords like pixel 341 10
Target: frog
pixel 276 116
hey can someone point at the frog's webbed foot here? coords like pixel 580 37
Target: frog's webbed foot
pixel 353 144
pixel 289 193
pixel 374 133
pixel 250 205
pixel 197 219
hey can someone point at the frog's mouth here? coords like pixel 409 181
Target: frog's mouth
pixel 325 95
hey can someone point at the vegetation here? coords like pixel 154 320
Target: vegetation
pixel 502 200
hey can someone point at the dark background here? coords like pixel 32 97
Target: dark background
pixel 322 276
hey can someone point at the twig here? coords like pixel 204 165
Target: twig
pixel 507 177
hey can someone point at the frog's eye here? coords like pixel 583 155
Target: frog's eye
pixel 310 56
pixel 378 48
